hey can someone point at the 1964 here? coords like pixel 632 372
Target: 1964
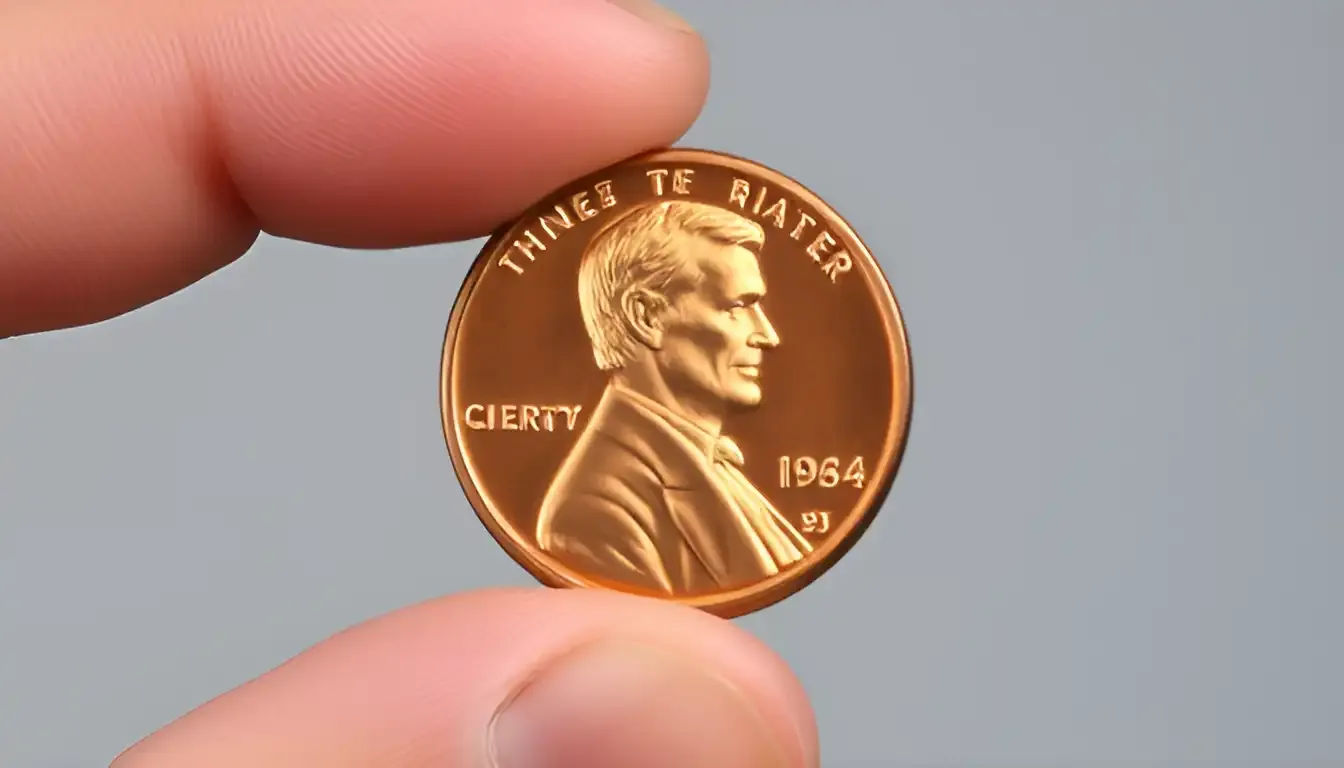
pixel 802 471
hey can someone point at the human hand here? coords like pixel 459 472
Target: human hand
pixel 147 142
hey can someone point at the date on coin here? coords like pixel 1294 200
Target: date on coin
pixel 684 376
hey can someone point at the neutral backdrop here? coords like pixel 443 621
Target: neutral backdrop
pixel 1116 230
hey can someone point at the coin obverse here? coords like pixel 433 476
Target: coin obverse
pixel 684 376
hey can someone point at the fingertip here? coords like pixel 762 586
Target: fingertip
pixel 584 674
pixel 713 644
pixel 145 143
pixel 404 122
pixel 526 629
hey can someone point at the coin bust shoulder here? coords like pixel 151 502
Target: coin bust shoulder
pixel 684 376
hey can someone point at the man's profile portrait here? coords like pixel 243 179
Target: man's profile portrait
pixel 652 494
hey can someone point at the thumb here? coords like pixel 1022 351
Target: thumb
pixel 509 679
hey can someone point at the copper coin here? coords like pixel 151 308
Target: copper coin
pixel 683 376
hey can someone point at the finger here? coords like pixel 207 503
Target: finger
pixel 512 679
pixel 145 142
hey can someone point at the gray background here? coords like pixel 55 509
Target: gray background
pixel 1115 230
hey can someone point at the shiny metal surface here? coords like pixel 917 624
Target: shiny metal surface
pixel 684 376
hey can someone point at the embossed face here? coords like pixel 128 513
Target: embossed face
pixel 715 335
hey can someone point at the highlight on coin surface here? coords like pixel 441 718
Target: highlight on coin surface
pixel 684 376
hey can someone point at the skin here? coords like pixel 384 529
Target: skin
pixel 706 345
pixel 146 143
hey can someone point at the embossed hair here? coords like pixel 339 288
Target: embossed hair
pixel 644 248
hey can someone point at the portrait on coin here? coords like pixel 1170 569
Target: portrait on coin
pixel 652 493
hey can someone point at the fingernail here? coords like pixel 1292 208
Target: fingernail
pixel 623 705
pixel 649 10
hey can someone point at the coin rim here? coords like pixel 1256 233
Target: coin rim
pixel 766 592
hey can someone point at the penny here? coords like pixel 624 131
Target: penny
pixel 684 376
